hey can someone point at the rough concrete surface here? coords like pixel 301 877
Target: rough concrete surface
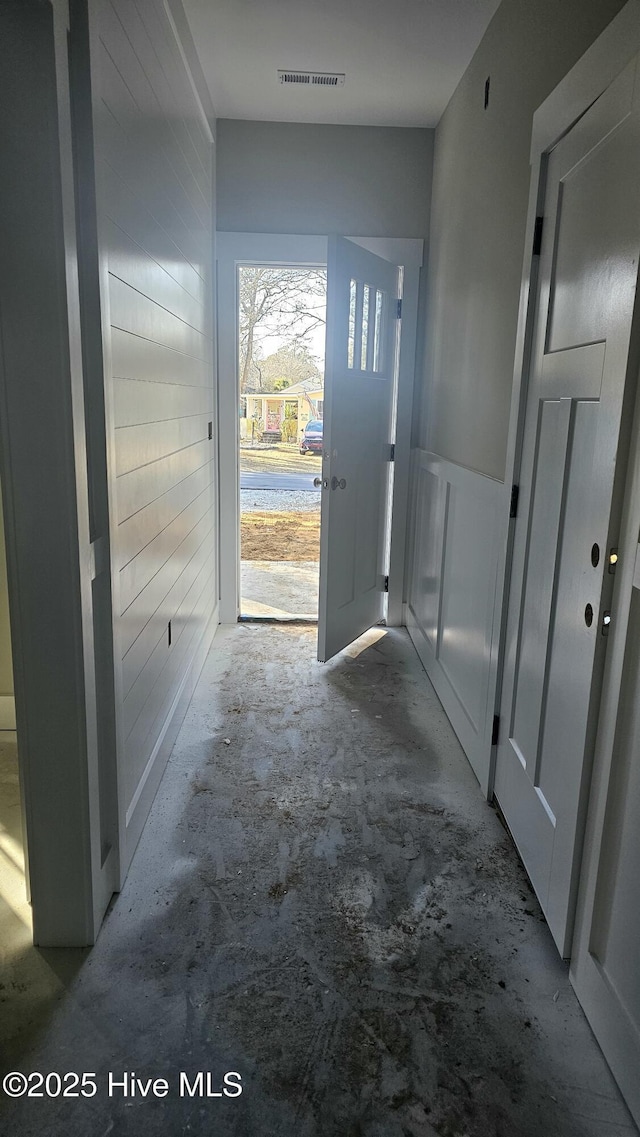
pixel 15 911
pixel 279 589
pixel 321 901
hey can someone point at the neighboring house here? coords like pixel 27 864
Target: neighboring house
pixel 305 399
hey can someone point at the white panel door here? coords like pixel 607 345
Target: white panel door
pixel 567 517
pixel 362 292
pixel 605 965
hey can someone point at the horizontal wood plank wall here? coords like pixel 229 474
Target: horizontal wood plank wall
pixel 154 168
pixel 452 610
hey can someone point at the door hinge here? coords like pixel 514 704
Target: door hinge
pixel 386 583
pixel 399 309
pixel 392 452
pixel 515 494
pixel 495 732
pixel 537 236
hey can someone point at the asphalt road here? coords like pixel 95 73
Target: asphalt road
pixel 276 481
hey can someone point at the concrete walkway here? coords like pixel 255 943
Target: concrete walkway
pixel 279 589
pixel 322 902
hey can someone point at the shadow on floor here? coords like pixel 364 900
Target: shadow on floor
pixel 32 981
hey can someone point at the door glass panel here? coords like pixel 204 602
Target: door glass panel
pixel 365 327
pixel 377 332
pixel 351 340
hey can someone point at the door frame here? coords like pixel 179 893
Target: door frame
pixel 583 84
pixel 618 1039
pixel 51 553
pixel 233 249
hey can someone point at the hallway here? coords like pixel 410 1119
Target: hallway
pixel 321 901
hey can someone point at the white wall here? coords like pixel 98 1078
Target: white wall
pixel 284 177
pixel 478 217
pixel 153 149
pixel 479 206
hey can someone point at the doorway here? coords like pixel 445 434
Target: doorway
pixel 281 317
pixel 235 249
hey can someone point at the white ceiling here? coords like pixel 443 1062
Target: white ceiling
pixel 402 58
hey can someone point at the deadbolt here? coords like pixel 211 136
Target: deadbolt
pixel 338 483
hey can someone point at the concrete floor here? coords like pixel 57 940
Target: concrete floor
pixel 15 911
pixel 279 589
pixel 321 901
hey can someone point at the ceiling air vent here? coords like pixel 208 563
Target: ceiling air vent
pixel 311 78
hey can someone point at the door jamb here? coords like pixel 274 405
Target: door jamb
pixel 50 555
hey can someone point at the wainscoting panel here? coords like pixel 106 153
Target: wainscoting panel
pixel 452 610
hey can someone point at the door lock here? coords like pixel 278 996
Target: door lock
pixel 338 483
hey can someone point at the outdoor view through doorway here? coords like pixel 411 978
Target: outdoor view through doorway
pixel 281 329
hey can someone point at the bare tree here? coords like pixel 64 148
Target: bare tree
pixel 290 364
pixel 274 300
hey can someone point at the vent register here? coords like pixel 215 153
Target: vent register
pixel 311 78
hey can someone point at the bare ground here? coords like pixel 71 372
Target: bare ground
pixel 279 536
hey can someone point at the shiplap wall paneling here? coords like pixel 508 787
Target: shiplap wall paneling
pixel 154 165
pixel 451 611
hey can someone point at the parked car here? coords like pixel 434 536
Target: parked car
pixel 311 441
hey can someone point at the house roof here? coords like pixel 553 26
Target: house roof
pixel 304 387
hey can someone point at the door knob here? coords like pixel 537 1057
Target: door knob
pixel 317 482
pixel 338 483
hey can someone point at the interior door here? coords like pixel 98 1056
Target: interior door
pixel 567 517
pixel 605 965
pixel 360 362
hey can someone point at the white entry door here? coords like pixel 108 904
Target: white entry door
pixel 568 512
pixel 362 291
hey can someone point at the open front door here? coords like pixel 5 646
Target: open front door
pixel 362 292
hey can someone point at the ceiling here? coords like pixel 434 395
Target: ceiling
pixel 402 58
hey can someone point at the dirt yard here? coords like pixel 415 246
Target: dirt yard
pixel 280 536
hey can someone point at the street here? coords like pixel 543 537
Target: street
pixel 260 480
